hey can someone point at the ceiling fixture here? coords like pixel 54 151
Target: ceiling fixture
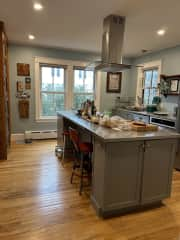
pixel 38 6
pixel 161 32
pixel 31 37
pixel 112 46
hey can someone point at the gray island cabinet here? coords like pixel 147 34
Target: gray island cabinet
pixel 130 169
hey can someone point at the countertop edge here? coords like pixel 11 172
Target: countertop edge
pixel 171 135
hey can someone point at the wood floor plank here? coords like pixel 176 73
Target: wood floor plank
pixel 37 202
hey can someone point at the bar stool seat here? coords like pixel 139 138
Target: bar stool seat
pixel 66 133
pixel 85 147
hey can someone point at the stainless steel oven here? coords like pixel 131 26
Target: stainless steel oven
pixel 163 122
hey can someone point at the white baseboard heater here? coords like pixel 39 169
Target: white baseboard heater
pixel 35 135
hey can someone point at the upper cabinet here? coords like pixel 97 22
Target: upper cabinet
pixel 4 94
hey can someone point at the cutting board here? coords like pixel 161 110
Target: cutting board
pixel 146 128
pixel 23 108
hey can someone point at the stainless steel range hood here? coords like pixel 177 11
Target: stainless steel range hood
pixel 112 44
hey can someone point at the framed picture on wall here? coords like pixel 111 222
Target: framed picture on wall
pixel 27 83
pixel 174 85
pixel 113 82
pixel 23 69
pixel 19 86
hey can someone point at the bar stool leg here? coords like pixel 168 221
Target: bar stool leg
pixel 64 147
pixel 72 175
pixel 81 173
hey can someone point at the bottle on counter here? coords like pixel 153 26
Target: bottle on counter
pixel 93 109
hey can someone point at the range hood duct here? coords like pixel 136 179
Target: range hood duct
pixel 112 45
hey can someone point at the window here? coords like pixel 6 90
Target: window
pixel 150 83
pixel 51 90
pixel 148 78
pixel 59 85
pixel 83 88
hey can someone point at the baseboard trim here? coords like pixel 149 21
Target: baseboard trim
pixel 17 137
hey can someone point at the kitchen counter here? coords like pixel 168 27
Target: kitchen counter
pixel 130 169
pixel 145 113
pixel 110 135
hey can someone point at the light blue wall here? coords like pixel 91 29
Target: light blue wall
pixel 170 66
pixel 26 54
pixel 107 100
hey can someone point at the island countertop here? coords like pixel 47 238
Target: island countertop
pixel 110 135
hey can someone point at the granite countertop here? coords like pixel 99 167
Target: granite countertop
pixel 168 117
pixel 110 135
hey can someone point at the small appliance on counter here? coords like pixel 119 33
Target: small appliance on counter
pixel 155 106
pixel 151 108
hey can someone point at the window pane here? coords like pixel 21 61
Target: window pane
pixel 83 81
pixel 52 79
pixel 155 78
pixel 153 93
pixel 146 96
pixel 147 78
pixel 51 103
pixel 79 99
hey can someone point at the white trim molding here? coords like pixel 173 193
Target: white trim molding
pixel 69 78
pixel 147 65
pixel 98 79
pixel 17 137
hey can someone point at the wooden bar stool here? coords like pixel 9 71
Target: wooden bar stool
pixel 82 161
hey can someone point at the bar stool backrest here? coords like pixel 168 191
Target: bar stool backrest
pixel 74 137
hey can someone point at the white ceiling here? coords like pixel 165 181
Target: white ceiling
pixel 77 24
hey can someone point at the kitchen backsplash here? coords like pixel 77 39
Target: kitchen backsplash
pixel 168 104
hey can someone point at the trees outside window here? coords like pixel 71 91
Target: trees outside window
pixel 51 90
pixel 150 83
pixel 83 87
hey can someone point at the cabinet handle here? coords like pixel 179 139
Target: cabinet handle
pixel 143 146
pixel 148 145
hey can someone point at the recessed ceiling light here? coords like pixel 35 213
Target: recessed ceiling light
pixel 31 37
pixel 161 32
pixel 38 6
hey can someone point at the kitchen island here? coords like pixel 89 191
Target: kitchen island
pixel 130 169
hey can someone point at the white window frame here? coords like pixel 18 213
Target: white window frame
pixel 82 93
pixel 69 81
pixel 145 66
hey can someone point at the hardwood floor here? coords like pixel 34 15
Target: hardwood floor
pixel 37 202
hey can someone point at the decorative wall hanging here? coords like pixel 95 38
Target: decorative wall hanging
pixel 23 95
pixel 113 82
pixel 27 83
pixel 174 85
pixel 19 86
pixel 23 69
pixel 23 106
pixel 169 85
